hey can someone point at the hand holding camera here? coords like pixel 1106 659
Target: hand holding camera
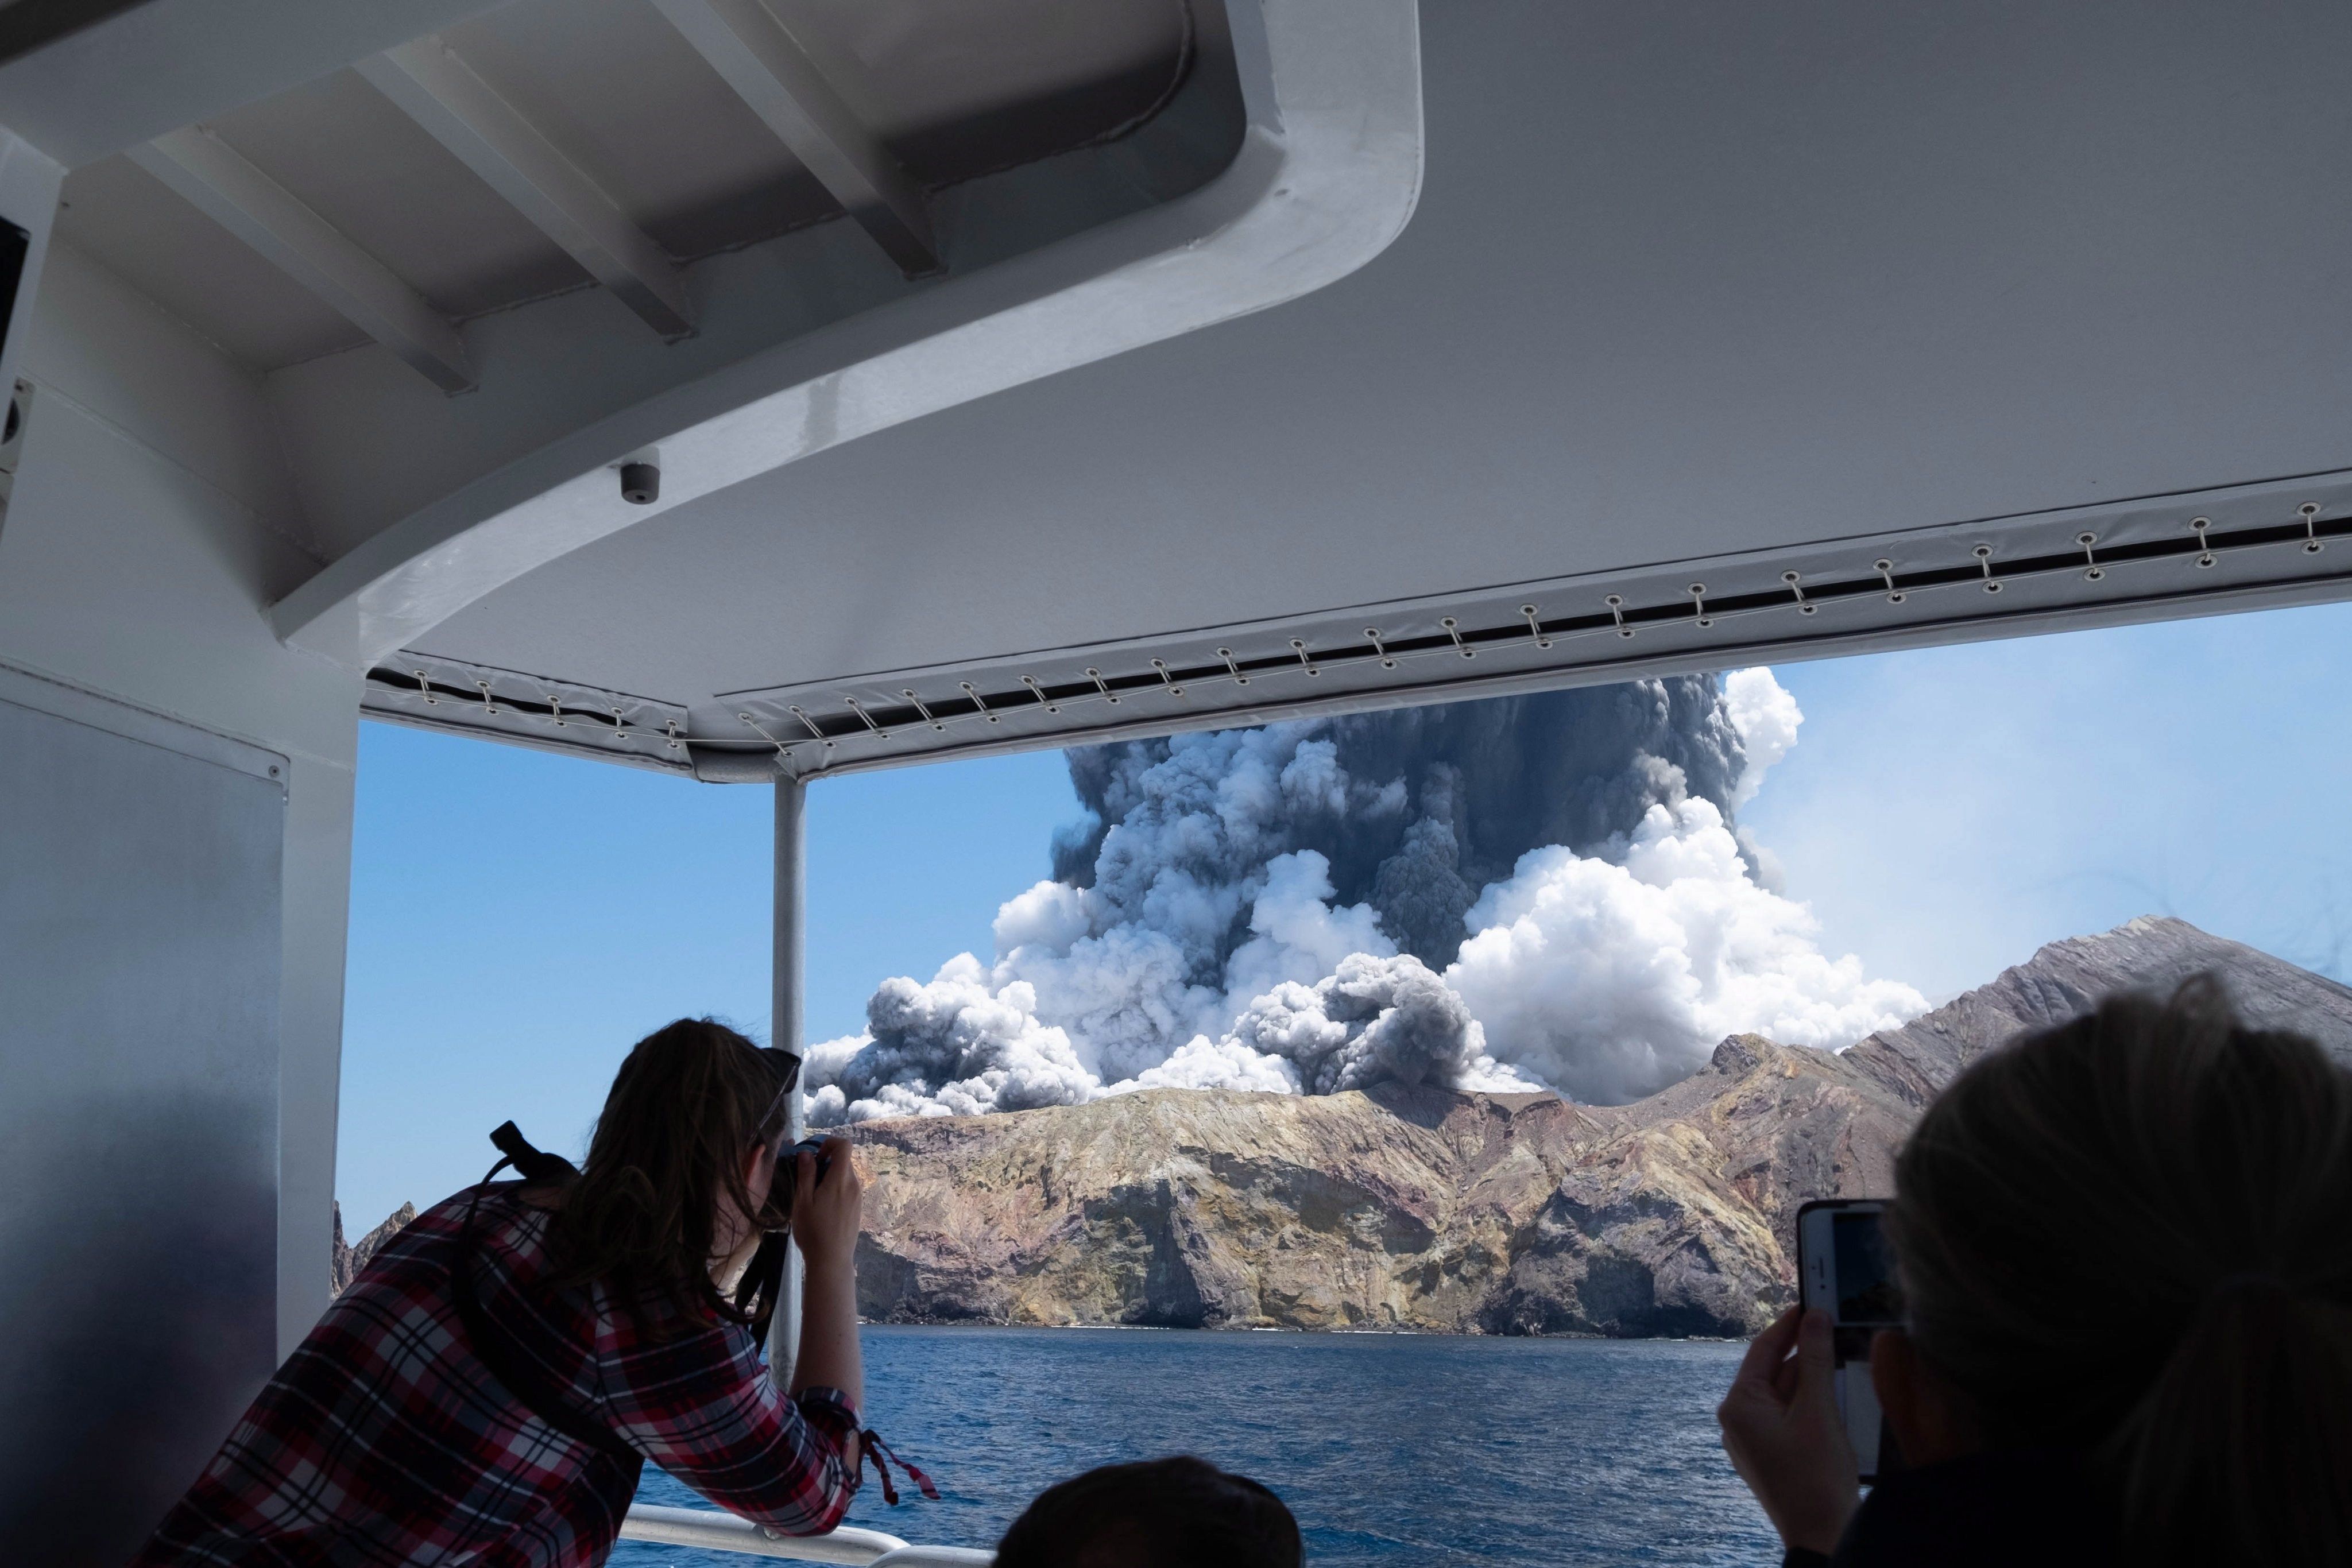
pixel 826 1200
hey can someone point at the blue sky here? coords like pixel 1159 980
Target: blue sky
pixel 518 919
pixel 1947 811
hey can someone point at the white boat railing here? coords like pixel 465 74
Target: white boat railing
pixel 714 1532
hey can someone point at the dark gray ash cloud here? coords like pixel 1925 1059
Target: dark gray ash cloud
pixel 1445 800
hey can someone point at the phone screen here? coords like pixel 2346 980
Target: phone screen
pixel 1846 1269
pixel 1865 1274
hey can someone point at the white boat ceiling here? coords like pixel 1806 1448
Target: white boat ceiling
pixel 1053 370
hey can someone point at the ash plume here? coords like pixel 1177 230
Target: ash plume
pixel 1416 810
pixel 1527 891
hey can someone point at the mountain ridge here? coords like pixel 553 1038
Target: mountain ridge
pixel 1431 1210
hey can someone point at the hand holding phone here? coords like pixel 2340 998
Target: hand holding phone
pixel 1785 1435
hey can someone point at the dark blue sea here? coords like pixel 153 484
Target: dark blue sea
pixel 1390 1448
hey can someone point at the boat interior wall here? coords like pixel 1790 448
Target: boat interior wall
pixel 141 912
pixel 142 548
pixel 123 364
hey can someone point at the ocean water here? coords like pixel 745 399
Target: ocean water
pixel 1392 1449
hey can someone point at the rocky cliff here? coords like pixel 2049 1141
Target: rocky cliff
pixel 1426 1209
pixel 347 1260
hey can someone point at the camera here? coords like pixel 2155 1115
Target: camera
pixel 814 1146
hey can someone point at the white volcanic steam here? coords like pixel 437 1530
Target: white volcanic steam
pixel 1267 909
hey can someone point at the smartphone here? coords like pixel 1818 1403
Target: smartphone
pixel 1844 1268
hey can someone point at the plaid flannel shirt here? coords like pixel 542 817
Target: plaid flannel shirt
pixel 385 1440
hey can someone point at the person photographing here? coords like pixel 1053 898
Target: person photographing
pixel 2125 1252
pixel 489 1388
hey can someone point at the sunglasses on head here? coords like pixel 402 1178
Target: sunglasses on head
pixel 784 1065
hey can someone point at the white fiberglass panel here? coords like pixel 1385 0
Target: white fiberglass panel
pixel 140 948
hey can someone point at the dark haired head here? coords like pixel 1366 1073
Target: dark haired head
pixel 691 1101
pixel 2131 1236
pixel 1179 1513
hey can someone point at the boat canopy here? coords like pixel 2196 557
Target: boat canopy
pixel 1028 372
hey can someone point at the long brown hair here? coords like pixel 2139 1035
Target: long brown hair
pixel 689 1102
pixel 2131 1236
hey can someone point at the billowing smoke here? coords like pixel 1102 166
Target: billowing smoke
pixel 1519 892
pixel 1414 811
pixel 1612 975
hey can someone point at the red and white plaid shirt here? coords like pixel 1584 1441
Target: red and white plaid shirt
pixel 385 1440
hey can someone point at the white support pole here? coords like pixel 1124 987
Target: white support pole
pixel 773 75
pixel 784 1031
pixel 430 84
pixel 314 253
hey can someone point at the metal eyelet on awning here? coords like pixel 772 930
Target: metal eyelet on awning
pixel 908 692
pixel 1984 559
pixel 802 714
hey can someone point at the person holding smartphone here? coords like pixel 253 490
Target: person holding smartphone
pixel 2123 1248
pixel 490 1385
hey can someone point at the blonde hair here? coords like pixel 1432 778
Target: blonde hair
pixel 2131 1236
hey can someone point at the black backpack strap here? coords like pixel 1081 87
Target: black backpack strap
pixel 535 1166
pixel 495 1347
pixel 762 1286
